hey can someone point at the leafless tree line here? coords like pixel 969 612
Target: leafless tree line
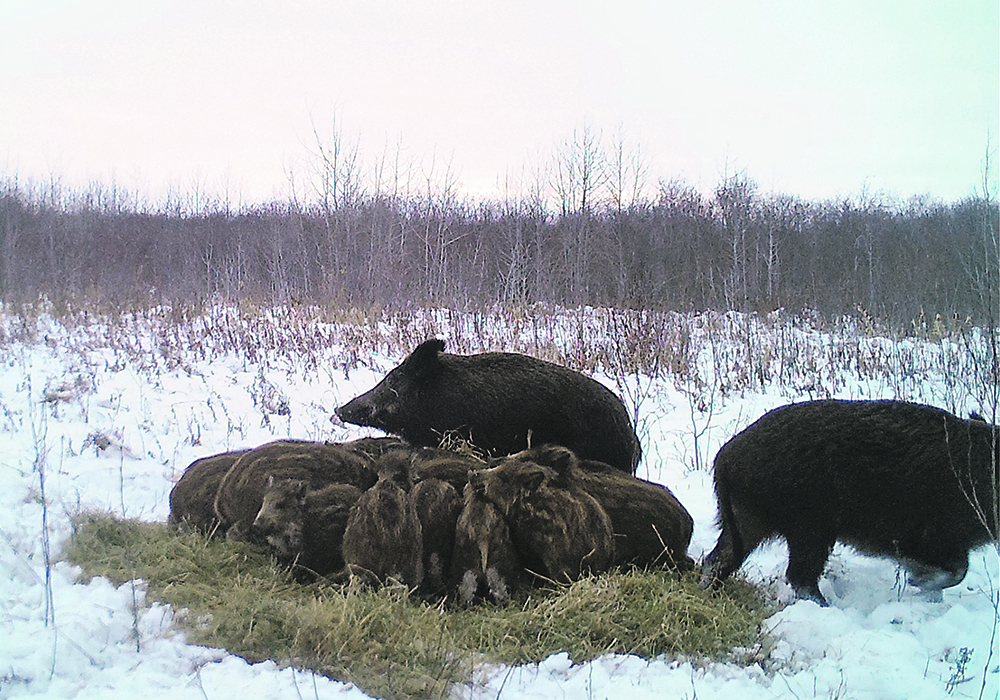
pixel 588 229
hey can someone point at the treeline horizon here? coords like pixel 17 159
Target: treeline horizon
pixel 589 231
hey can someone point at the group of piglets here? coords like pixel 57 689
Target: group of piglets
pixel 550 494
pixel 440 521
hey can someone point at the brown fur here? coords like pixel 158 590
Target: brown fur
pixel 383 539
pixel 651 527
pixel 553 520
pixel 305 527
pixel 433 463
pixel 485 563
pixel 241 490
pixel 192 498
pixel 438 505
pixel 373 448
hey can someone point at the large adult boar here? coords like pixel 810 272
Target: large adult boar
pixel 241 491
pixel 500 402
pixel 889 478
pixel 192 499
pixel 559 530
pixel 651 527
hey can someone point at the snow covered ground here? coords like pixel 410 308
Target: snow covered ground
pixel 109 432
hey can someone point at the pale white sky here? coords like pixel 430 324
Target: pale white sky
pixel 817 99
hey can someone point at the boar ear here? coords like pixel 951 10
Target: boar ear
pixel 534 479
pixel 561 459
pixel 425 357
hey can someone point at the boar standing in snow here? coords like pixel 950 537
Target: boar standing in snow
pixel 499 402
pixel 890 478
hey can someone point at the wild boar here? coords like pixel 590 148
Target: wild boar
pixel 651 528
pixel 192 499
pixel 559 530
pixel 890 478
pixel 305 527
pixel 438 506
pixel 241 491
pixel 485 564
pixel 383 539
pixel 500 402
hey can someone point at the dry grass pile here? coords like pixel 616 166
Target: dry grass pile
pixel 389 642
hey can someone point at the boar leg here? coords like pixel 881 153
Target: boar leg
pixel 722 561
pixel 806 560
pixel 933 577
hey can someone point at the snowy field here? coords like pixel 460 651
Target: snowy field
pixel 95 418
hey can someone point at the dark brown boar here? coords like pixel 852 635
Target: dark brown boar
pixel 305 527
pixel 890 478
pixel 192 499
pixel 438 505
pixel 241 491
pixel 485 564
pixel 553 521
pixel 452 467
pixel 499 402
pixel 383 540
pixel 651 527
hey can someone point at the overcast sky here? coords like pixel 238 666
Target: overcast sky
pixel 817 99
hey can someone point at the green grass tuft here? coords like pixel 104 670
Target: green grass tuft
pixel 389 642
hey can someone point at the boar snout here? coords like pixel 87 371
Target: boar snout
pixel 360 410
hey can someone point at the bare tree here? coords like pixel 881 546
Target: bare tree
pixel 580 173
pixel 627 171
pixel 11 226
pixel 335 178
pixel 735 199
